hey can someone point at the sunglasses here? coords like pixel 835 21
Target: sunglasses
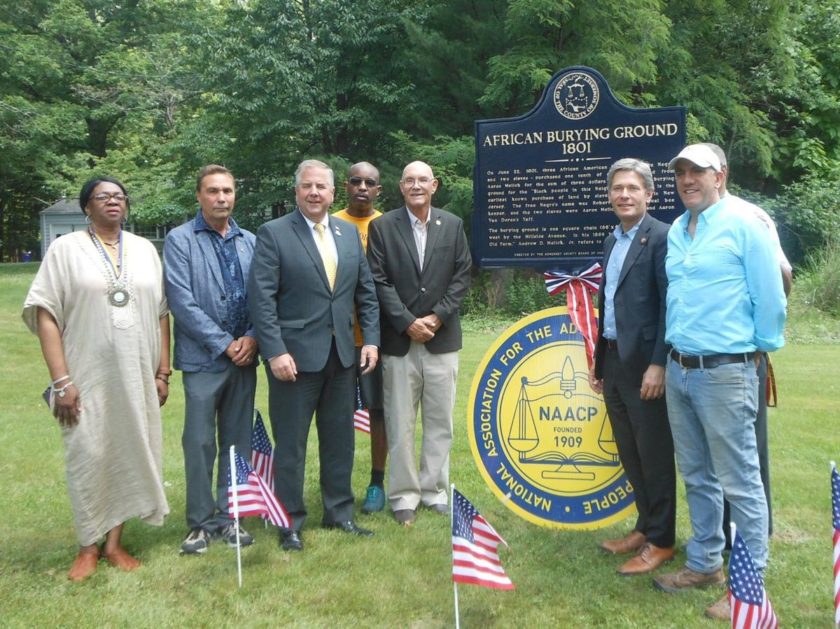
pixel 357 181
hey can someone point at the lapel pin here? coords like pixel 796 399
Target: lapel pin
pixel 643 241
pixel 437 222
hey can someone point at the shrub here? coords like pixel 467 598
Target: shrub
pixel 819 284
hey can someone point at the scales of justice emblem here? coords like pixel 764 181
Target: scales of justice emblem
pixel 540 435
pixel 587 443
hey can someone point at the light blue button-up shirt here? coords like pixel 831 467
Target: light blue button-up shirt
pixel 616 262
pixel 725 291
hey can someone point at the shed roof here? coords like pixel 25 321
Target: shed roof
pixel 64 206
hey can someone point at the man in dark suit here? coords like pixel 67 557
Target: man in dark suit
pixel 421 264
pixel 630 364
pixel 308 272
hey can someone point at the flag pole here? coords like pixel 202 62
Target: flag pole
pixel 234 481
pixel 451 522
pixel 836 557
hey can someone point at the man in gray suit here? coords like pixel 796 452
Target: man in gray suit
pixel 421 266
pixel 630 364
pixel 308 273
pixel 206 264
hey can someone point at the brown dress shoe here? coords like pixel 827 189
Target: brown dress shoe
pixel 720 610
pixel 648 559
pixel 686 578
pixel 630 543
pixel 84 565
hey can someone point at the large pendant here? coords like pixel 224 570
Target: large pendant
pixel 118 297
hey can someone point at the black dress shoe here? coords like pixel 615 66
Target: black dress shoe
pixel 290 540
pixel 349 527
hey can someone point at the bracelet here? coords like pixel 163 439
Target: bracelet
pixel 164 372
pixel 163 378
pixel 62 391
pixel 61 379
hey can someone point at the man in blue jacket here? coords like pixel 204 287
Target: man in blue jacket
pixel 206 266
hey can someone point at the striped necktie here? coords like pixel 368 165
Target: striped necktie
pixel 330 263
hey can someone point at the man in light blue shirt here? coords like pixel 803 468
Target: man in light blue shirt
pixel 725 303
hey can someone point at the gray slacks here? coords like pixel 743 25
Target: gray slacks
pixel 219 409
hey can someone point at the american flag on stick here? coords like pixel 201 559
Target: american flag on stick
pixel 474 547
pixel 262 454
pixel 751 608
pixel 254 497
pixel 361 416
pixel 835 511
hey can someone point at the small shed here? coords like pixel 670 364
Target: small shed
pixel 63 217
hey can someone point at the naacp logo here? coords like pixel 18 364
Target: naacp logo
pixel 539 434
pixel 576 95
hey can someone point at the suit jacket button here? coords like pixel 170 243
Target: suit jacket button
pixel 422 290
pixel 223 297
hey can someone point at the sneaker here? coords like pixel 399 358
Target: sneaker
pixel 687 578
pixel 228 534
pixel 196 543
pixel 720 610
pixel 374 500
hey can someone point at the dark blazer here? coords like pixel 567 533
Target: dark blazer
pixel 406 293
pixel 639 300
pixel 289 298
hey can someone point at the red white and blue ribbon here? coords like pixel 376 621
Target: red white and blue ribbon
pixel 579 290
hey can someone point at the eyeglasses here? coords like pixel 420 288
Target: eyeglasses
pixel 107 196
pixel 357 181
pixel 422 181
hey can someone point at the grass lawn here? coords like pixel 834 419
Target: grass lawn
pixel 401 577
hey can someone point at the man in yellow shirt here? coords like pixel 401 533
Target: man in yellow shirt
pixel 363 187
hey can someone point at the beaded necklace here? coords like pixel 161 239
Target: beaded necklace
pixel 117 293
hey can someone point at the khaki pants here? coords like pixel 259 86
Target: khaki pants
pixel 423 379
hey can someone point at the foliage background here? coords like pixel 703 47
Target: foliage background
pixel 149 90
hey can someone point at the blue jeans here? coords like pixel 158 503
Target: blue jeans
pixel 712 414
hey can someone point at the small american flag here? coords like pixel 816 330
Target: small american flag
pixel 361 416
pixel 262 454
pixel 751 608
pixel 835 511
pixel 254 496
pixel 474 547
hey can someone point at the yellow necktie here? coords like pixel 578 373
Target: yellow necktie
pixel 330 263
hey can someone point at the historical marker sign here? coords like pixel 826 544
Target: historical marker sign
pixel 540 178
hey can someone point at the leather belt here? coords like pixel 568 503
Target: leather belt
pixel 710 361
pixel 611 344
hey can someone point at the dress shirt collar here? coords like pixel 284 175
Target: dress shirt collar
pixel 324 221
pixel 413 220
pixel 201 225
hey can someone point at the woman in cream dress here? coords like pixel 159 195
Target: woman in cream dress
pixel 98 308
